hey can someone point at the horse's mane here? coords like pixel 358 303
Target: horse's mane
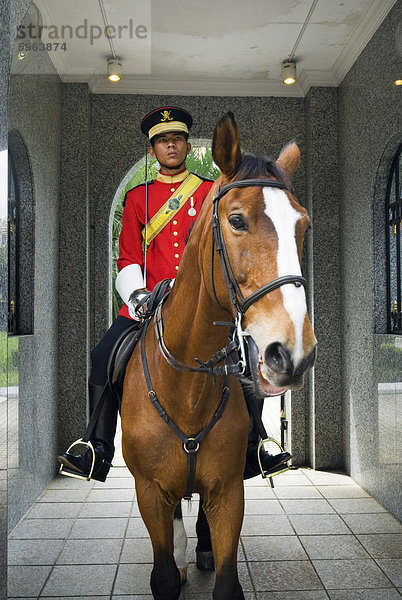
pixel 253 167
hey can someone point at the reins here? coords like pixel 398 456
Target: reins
pixel 191 445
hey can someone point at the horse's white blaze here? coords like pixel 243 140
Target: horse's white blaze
pixel 284 218
pixel 179 543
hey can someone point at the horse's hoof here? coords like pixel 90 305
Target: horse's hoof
pixel 205 561
pixel 183 574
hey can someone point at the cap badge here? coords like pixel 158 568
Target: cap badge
pixel 166 116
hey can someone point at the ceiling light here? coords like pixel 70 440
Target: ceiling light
pixel 114 69
pixel 398 82
pixel 289 72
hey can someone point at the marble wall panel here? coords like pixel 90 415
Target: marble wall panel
pixel 369 130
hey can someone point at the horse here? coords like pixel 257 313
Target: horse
pixel 241 265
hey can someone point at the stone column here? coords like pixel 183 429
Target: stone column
pixel 323 394
pixel 74 264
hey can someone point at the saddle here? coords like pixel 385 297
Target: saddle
pixel 127 341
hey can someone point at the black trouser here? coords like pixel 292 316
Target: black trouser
pixel 101 353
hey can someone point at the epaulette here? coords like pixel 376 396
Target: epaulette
pixel 203 178
pixel 134 188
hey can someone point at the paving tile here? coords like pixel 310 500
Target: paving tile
pixel 33 552
pixel 342 491
pixel 383 545
pixel 191 545
pixel 105 509
pixel 267 525
pixel 26 581
pixel 60 495
pixel 186 595
pixel 328 477
pixel 257 492
pixel 115 483
pixel 392 567
pixel 199 582
pixel 350 574
pixel 333 546
pixel 297 491
pixel 290 575
pixel 307 507
pixel 84 529
pixel 263 507
pixel 104 597
pixel 292 477
pixel 80 580
pixel 273 548
pixel 373 523
pixel 61 482
pixel 356 505
pixel 136 528
pixel 90 552
pixel 299 595
pixel 135 511
pixel 318 524
pixel 374 594
pixel 135 597
pixel 111 495
pixel 51 529
pixel 137 550
pixel 133 579
pixel 119 471
pixel 54 510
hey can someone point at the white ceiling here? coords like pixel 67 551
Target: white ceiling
pixel 210 47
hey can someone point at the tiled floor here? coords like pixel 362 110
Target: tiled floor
pixel 316 536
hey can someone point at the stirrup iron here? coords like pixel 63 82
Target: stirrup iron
pixel 265 475
pixel 77 475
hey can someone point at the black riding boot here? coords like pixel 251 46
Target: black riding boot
pixel 271 463
pixel 102 438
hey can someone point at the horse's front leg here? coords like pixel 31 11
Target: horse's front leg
pixel 203 551
pixel 158 518
pixel 224 511
pixel 180 543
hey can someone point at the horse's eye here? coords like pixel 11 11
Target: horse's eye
pixel 238 223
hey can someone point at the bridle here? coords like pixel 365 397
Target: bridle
pixel 191 444
pixel 240 303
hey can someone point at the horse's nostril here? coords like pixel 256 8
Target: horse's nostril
pixel 277 357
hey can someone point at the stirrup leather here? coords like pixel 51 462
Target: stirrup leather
pixel 264 474
pixel 69 473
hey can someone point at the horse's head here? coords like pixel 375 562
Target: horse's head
pixel 263 229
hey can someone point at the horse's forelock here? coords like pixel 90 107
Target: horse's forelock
pixel 253 167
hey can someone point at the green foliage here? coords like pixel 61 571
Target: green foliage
pixel 8 362
pixel 198 161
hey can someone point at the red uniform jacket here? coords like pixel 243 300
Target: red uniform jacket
pixel 165 251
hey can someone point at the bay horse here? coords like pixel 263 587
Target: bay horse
pixel 248 270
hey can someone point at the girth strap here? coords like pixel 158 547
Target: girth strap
pixel 190 444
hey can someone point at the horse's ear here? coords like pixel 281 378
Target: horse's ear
pixel 226 145
pixel 289 158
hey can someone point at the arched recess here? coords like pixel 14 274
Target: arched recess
pixel 101 226
pixel 379 235
pixel 24 230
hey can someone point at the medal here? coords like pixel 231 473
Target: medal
pixel 191 211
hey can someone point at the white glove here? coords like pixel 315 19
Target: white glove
pixel 128 281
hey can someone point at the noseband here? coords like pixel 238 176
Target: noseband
pixel 240 303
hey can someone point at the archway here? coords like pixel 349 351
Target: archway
pixel 199 160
